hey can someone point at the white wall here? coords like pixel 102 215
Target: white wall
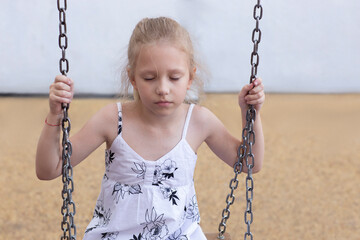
pixel 307 46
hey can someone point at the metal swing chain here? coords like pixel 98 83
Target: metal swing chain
pixel 68 209
pixel 245 149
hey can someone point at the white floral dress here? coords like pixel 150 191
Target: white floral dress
pixel 147 200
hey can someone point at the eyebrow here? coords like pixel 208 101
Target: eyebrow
pixel 176 70
pixel 147 71
pixel 171 71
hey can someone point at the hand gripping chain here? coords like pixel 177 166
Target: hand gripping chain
pixel 248 140
pixel 68 209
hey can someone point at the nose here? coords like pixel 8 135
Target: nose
pixel 162 87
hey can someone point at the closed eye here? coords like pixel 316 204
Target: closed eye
pixel 175 78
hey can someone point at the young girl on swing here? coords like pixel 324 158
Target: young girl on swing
pixel 147 191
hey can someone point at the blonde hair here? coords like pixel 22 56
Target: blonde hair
pixel 153 30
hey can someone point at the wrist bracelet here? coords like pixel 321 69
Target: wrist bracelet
pixel 52 125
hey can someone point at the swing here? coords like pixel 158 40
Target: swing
pixel 68 209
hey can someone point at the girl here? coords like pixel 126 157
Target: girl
pixel 147 190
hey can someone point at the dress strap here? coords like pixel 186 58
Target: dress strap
pixel 119 106
pixel 187 120
pixel 119 117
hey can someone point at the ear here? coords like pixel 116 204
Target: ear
pixel 131 77
pixel 192 75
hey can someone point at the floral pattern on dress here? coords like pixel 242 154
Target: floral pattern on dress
pixel 164 171
pixel 134 237
pixel 109 236
pixel 109 158
pixel 120 190
pixel 102 215
pixel 192 210
pixel 169 193
pixel 140 170
pixel 155 227
pixel 177 236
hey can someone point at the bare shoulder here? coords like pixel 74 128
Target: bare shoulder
pixel 201 124
pixel 202 116
pixel 108 112
pixel 207 124
pixel 105 115
pixel 200 113
pixel 105 122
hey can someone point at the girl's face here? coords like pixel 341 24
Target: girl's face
pixel 162 77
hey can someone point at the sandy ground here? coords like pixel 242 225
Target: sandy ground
pixel 308 187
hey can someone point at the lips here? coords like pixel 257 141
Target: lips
pixel 163 103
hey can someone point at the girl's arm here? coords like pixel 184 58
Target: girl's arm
pixel 91 136
pixel 48 157
pixel 222 143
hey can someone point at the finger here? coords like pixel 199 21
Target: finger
pixel 63 79
pixel 254 96
pixel 62 93
pixel 62 86
pixel 60 89
pixel 71 83
pixel 245 90
pixel 59 98
pixel 257 81
pixel 63 83
pixel 257 89
pixel 256 101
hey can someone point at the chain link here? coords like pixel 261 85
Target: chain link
pixel 248 140
pixel 68 209
pixel 63 40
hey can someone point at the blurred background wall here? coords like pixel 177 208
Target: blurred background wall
pixel 307 46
